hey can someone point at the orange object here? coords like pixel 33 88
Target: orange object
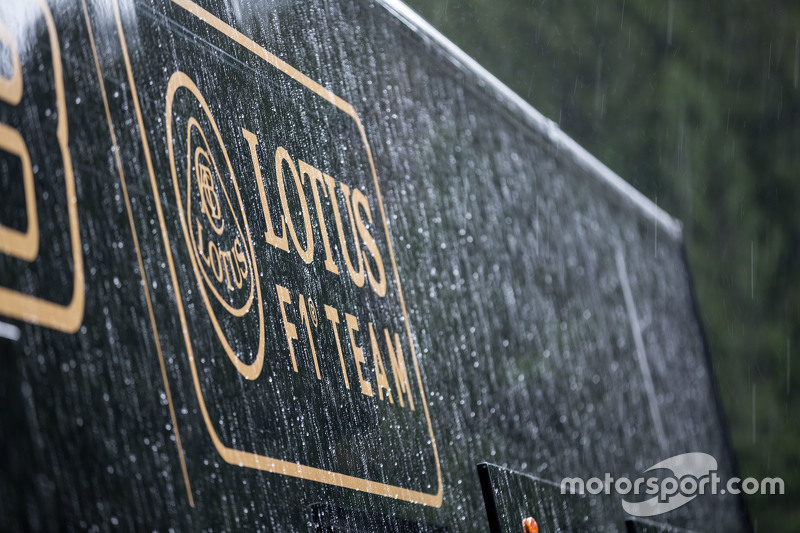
pixel 529 525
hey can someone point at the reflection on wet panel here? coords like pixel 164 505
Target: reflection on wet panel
pixel 290 266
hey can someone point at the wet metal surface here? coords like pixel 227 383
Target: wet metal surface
pixel 285 266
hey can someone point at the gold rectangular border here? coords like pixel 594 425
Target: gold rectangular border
pixel 134 234
pixel 32 309
pixel 248 459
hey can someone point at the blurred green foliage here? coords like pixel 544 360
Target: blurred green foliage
pixel 696 103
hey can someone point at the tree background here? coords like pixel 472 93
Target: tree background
pixel 696 104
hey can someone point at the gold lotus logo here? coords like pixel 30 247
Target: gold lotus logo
pixel 224 265
pixel 215 228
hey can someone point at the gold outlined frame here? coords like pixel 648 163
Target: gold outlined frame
pixel 145 283
pixel 248 459
pixel 26 307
